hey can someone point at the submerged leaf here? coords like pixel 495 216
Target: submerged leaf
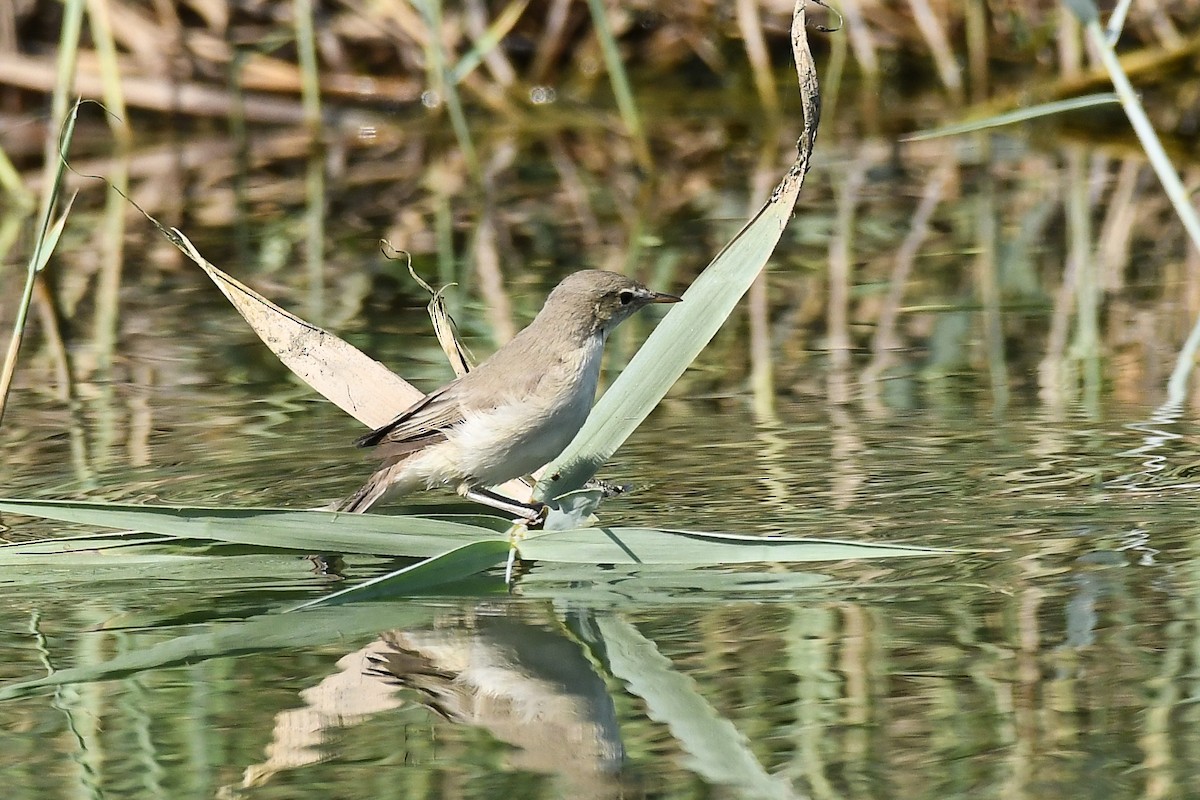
pixel 453 565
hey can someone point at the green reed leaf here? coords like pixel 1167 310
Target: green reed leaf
pixel 691 325
pixel 424 536
pixel 606 545
pixel 308 531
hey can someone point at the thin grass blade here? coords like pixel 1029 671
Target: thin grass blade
pixel 47 238
pixel 11 182
pixel 1013 117
pixel 620 82
pixel 491 39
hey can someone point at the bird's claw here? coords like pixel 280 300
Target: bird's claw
pixel 535 520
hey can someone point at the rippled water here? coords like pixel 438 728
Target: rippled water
pixel 1002 392
pixel 1058 654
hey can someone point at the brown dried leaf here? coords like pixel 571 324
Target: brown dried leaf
pixel 351 380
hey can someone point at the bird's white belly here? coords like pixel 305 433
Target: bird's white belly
pixel 492 447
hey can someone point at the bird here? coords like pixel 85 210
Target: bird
pixel 513 413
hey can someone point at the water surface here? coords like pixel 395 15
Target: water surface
pixel 962 345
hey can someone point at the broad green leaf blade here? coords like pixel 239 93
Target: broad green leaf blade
pixel 88 542
pixel 651 546
pixel 719 752
pixel 689 326
pixel 424 537
pixel 106 552
pixel 683 333
pixel 461 562
pixel 309 531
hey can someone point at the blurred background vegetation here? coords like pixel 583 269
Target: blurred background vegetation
pixel 504 144
pixel 502 140
pixel 961 342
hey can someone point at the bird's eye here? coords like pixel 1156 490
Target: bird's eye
pixel 626 297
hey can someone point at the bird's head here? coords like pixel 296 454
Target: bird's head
pixel 599 301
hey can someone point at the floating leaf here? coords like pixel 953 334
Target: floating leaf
pixel 606 545
pixel 307 531
pixel 424 537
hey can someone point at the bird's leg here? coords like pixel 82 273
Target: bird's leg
pixel 531 512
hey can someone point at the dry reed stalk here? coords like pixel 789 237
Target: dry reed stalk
pixel 158 94
pixel 750 26
pixel 939 47
pixel 110 74
pixel 1116 230
pixel 885 338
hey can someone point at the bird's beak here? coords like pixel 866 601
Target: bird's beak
pixel 659 297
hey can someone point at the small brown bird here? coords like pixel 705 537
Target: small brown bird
pixel 514 412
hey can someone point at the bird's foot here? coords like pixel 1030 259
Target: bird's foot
pixel 537 519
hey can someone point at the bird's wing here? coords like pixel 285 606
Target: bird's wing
pixel 420 423
pixel 501 379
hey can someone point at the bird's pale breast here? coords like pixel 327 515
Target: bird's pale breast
pixel 516 437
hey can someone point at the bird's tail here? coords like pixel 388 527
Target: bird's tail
pixel 389 480
pixel 370 493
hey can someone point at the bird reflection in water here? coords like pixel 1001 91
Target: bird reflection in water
pixel 525 684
